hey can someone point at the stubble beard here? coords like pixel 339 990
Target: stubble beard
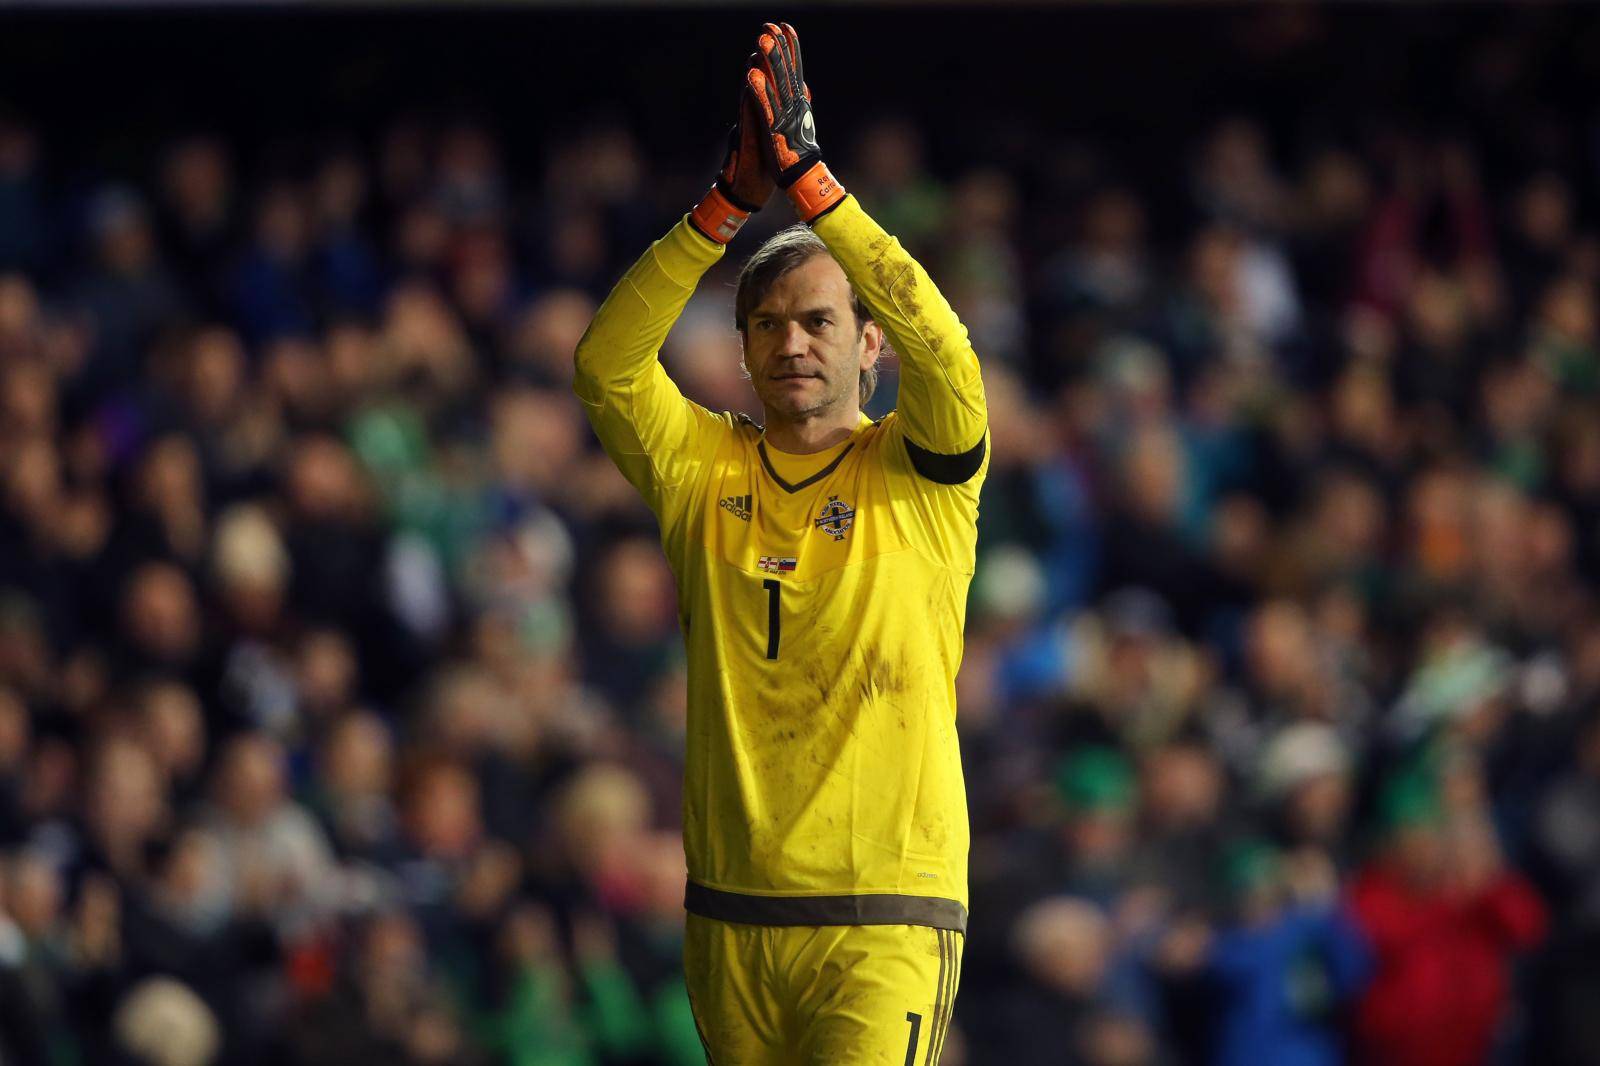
pixel 835 394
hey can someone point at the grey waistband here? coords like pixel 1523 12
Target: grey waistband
pixel 869 909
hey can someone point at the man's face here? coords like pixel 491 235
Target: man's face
pixel 801 346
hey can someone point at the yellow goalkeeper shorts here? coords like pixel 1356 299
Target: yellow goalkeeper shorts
pixel 767 995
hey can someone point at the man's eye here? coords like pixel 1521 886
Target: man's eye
pixel 819 322
pixel 764 324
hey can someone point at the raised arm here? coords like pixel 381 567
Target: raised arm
pixel 656 435
pixel 652 431
pixel 941 404
pixel 941 400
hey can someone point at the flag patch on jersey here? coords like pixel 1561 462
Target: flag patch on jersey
pixel 776 564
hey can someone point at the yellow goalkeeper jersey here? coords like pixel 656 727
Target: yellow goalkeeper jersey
pixel 822 599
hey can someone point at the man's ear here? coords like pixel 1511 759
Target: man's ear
pixel 871 344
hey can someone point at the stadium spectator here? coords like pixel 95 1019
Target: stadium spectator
pixel 1445 920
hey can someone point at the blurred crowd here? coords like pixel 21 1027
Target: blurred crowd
pixel 341 694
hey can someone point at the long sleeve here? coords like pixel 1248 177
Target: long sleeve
pixel 941 402
pixel 658 437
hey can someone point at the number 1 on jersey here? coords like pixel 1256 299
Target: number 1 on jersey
pixel 772 617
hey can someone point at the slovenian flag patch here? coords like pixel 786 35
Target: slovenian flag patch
pixel 776 564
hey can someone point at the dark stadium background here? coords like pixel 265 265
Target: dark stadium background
pixel 978 79
pixel 1142 895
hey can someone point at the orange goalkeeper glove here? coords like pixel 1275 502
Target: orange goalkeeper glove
pixel 743 185
pixel 776 82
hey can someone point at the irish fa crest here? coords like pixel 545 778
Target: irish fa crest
pixel 836 518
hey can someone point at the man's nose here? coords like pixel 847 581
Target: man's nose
pixel 796 341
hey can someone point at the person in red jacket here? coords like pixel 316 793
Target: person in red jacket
pixel 1445 917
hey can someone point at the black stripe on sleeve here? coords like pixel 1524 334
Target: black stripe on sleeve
pixel 947 469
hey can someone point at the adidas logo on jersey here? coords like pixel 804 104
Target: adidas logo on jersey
pixel 739 506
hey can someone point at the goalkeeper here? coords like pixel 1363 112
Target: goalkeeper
pixel 822 562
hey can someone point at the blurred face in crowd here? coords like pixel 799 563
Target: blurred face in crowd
pixel 1114 222
pixel 19 315
pixel 1215 264
pixel 250 566
pixel 216 375
pixel 1064 944
pixel 1280 650
pixel 160 613
pixel 1337 189
pixel 15 730
pixel 1364 409
pixel 174 729
pixel 803 347
pixel 603 818
pixel 341 190
pixel 1182 787
pixel 1417 849
pixel 1318 807
pixel 1152 475
pixel 126 244
pixel 1241 533
pixel 250 785
pixel 1437 506
pixel 637 597
pixel 358 758
pixel 578 244
pixel 27 394
pixel 889 154
pixel 193 883
pixel 1517 398
pixel 352 361
pixel 422 236
pixel 1350 518
pixel 169 477
pixel 1568 310
pixel 1438 313
pixel 1111 1040
pixel 1499 524
pixel 33 894
pixel 426 342
pixel 1099 837
pixel 281 223
pixel 392 949
pixel 704 359
pixel 1544 212
pixel 548 332
pixel 536 438
pixel 324 483
pixel 442 811
pixel 325 672
pixel 33 481
pixel 50 783
pixel 198 181
pixel 125 801
pixel 467 711
pixel 482 280
pixel 294 373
